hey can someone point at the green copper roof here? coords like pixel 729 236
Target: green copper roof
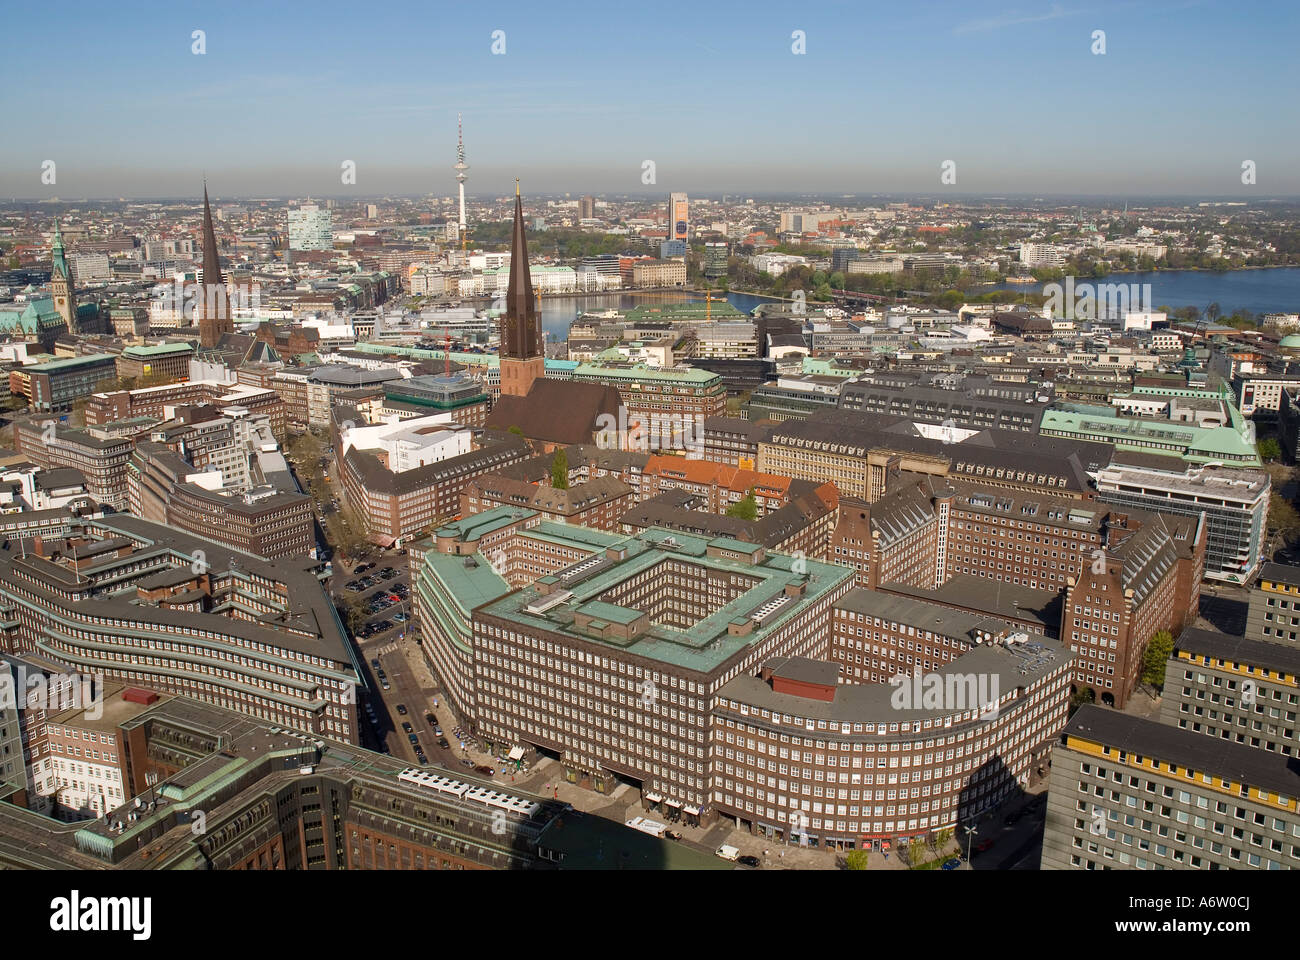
pixel 157 350
pixel 58 260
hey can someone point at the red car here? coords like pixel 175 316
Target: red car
pixel 983 845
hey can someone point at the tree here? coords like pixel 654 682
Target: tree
pixel 1154 658
pixel 349 531
pixel 306 449
pixel 1282 517
pixel 746 509
pixel 856 859
pixel 77 415
pixel 355 612
pixel 941 840
pixel 560 470
pixel 1269 449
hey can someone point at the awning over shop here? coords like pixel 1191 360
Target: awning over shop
pixel 693 811
pixel 516 753
pixel 653 797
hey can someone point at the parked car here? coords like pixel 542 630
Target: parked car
pixel 437 730
pixel 672 835
pixel 431 720
pixel 401 708
pixel 951 864
pixel 400 617
pixel 413 738
pixel 375 663
pixel 485 770
pixel 466 761
pixel 407 728
pixel 442 742
pixel 747 860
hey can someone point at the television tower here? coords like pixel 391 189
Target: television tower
pixel 460 168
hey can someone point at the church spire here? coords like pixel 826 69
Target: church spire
pixel 521 312
pixel 522 362
pixel 212 311
pixel 211 262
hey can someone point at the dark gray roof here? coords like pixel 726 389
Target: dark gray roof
pixel 1236 762
pixel 1264 654
pixel 344 375
pixel 992 598
pixel 1280 573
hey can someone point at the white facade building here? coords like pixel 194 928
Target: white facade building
pixel 310 228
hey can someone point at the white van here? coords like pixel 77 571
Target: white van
pixel 728 852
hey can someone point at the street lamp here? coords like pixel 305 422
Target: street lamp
pixel 970 837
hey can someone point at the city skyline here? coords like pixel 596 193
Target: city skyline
pixel 878 102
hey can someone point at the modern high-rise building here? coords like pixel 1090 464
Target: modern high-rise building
pixel 715 259
pixel 1128 793
pixel 587 208
pixel 678 217
pixel 310 228
pixel 1234 502
pixel 1274 607
pixel 1234 689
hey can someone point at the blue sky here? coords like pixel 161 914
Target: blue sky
pixel 711 92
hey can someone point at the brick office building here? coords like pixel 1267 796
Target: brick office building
pixel 145 604
pixel 272 800
pixel 650 659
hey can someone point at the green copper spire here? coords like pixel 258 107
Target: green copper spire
pixel 60 262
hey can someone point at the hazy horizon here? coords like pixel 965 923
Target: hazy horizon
pixel 1014 96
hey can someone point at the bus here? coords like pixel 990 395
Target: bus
pixel 652 827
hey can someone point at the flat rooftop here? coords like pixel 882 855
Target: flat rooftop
pixel 1235 762
pixel 1014 667
pixel 1278 657
pixel 707 643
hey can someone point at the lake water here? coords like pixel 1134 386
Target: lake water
pixel 1274 290
pixel 559 312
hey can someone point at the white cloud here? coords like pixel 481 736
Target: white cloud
pixel 1013 18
